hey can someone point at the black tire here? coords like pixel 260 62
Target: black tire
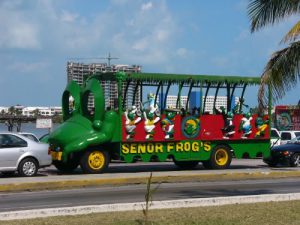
pixel 28 167
pixel 94 161
pixel 188 165
pixel 295 160
pixel 220 158
pixel 66 167
pixel 270 161
pixel 272 164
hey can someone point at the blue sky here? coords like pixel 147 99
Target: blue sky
pixel 196 37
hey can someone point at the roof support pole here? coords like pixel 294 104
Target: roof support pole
pixel 188 96
pixel 157 90
pixel 166 96
pixel 242 98
pixel 206 93
pixel 232 93
pixel 216 95
pixel 228 96
pixel 125 94
pixel 135 90
pixel 178 102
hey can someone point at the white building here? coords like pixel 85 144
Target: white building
pixel 43 111
pixel 3 109
pixel 172 101
pixel 221 101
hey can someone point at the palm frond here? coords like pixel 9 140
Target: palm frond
pixel 281 72
pixel 264 12
pixel 293 34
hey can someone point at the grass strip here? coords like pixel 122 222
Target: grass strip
pixel 271 213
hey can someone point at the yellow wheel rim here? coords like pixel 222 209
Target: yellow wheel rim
pixel 221 157
pixel 96 160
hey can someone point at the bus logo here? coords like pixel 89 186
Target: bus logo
pixel 190 127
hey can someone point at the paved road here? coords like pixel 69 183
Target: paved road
pixel 237 165
pixel 140 167
pixel 135 193
pixel 130 170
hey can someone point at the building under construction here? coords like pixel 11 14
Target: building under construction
pixel 79 72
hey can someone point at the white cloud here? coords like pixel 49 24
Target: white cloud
pixel 147 6
pixel 182 52
pixel 68 16
pixel 162 35
pixel 50 32
pixel 19 35
pixel 141 45
pixel 17 31
pixel 22 67
pixel 58 30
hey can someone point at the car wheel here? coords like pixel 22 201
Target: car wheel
pixel 94 161
pixel 220 158
pixel 28 167
pixel 186 164
pixel 295 160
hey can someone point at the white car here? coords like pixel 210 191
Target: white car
pixel 19 153
pixel 275 137
pixel 288 135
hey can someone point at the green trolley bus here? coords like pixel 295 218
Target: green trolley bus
pixel 143 121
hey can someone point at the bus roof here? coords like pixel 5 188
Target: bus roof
pixel 177 78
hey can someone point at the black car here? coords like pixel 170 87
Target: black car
pixel 287 154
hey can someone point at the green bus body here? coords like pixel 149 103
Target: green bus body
pixel 93 135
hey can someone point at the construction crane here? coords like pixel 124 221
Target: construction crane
pixel 109 58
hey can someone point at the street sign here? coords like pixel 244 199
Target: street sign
pixel 44 123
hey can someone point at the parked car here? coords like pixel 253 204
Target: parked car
pixel 285 154
pixel 21 154
pixel 275 137
pixel 30 136
pixel 44 138
pixel 288 135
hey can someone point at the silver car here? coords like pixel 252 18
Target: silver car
pixel 19 153
pixel 30 136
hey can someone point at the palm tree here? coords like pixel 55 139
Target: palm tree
pixel 11 110
pixel 282 71
pixel 36 112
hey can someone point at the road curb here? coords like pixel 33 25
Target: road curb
pixel 44 184
pixel 184 203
